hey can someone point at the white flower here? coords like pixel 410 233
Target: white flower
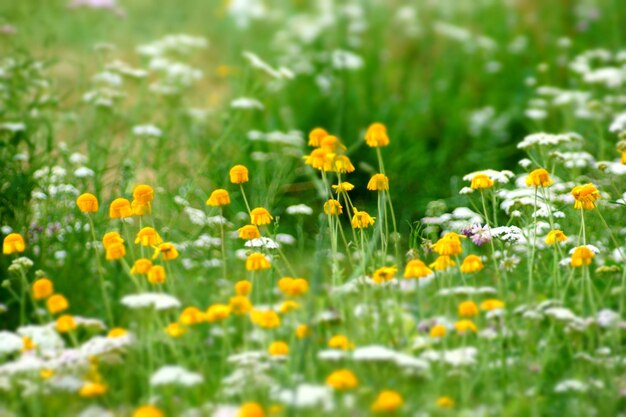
pixel 285 238
pixel 455 357
pixel 256 62
pixel 175 375
pixel 247 103
pixel 159 301
pixel 10 343
pixel 45 337
pixel 571 385
pixel 84 172
pixel 147 130
pixel 300 209
pixel 373 353
pixel 501 177
pixel 13 127
pixel 347 60
pixel 262 242
pixel 547 139
pixel 306 396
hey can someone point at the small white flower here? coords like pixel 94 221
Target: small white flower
pixel 175 375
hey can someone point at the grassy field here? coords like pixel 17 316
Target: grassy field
pixel 291 208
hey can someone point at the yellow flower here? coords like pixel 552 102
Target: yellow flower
pixel 148 237
pixel 331 144
pixel 148 411
pixel 87 203
pixel 343 187
pixel 46 373
pixel 140 209
pixel 27 344
pixel 42 288
pixel 340 342
pixel 116 332
pixel 303 331
pixel 293 287
pixel 115 251
pixel 316 135
pixel 472 263
pixel 260 216
pixel 175 330
pixel 319 159
pixel 288 306
pixel 445 402
pixel 384 274
pixel 480 181
pixel 249 232
pixel 378 182
pixel 217 312
pixel 167 250
pixel 257 261
pixel 387 402
pixel 266 319
pixel 582 256
pixel 464 326
pixel 143 194
pixel 585 196
pixel 449 244
pixel 240 304
pixel 92 389
pixel 278 349
pixel 332 207
pixel 120 208
pixel 539 178
pixel 190 316
pixel 468 309
pixel 491 304
pixel 218 197
pixel 65 324
pixel 361 219
pixel 438 330
pixel 442 263
pixel 111 238
pixel 342 379
pixel 13 243
pixel 376 135
pixel 156 275
pixel 251 410
pixel 238 174
pixel 623 159
pixel 416 269
pixel 141 266
pixel 57 303
pixel 243 287
pixel 555 236
pixel 342 164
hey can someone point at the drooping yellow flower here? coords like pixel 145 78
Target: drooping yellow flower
pixel 243 287
pixel 480 181
pixel 120 208
pixel 442 263
pixel 340 342
pixel 266 319
pixel 116 332
pixel 303 331
pixel 539 178
pixel 260 216
pixel 148 411
pixel 278 348
pixel 555 236
pixel 293 287
pixel 361 219
pixel 143 194
pixel 115 251
pixel 288 306
pixel 376 135
pixel 316 135
pixel 343 187
pixel 13 243
pixel 491 304
pixel 111 238
pixel 384 274
pixel 331 144
pixel 319 159
pixel 387 402
pixel 468 309
pixel 417 269
pixel 581 256
pixel 342 164
pixel 42 288
pixel 46 373
pixel 148 237
pixel 378 182
pixel 240 304
pixel 332 207
pixel 141 266
pixel 342 379
pixel 465 326
pixel 438 331
pixel 156 275
pixel 65 324
pixel 472 263
pixel 87 203
pixel 445 402
pixel 251 410
pixel 57 303
pixel 449 244
pixel 92 389
pixel 217 312
pixel 140 209
pixel 585 196
pixel 238 174
pixel 167 251
pixel 218 198
pixel 249 232
pixel 190 316
pixel 175 330
pixel 257 261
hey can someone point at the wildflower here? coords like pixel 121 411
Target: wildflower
pixel 65 324
pixel 92 389
pixel 361 219
pixel 143 194
pixel 42 288
pixel 464 326
pixel 260 216
pixel 539 178
pixel 190 316
pixel 156 275
pixel 27 344
pixel 249 232
pixel 342 379
pixel 438 330
pixel 278 349
pixel 340 342
pixel 218 197
pixel 378 182
pixel 342 164
pixel 384 274
pixel 148 237
pixel 387 402
pixel 480 181
pixel 243 287
pixel 115 251
pixel 468 309
pixel 111 238
pixel 302 331
pixel 331 144
pixel 116 332
pixel 293 287
pixel 148 411
pixel 449 244
pixel 288 306
pixel 175 330
pixel 266 319
pixel 332 207
pixel 251 410
pixel 57 303
pixel 585 196
pixel 376 135
pixel 555 236
pixel 13 243
pixel 167 250
pixel 442 263
pixel 316 135
pixel 141 266
pixel 343 187
pixel 582 256
pixel 87 203
pixel 46 373
pixel 444 402
pixel 140 209
pixel 416 269
pixel 257 261
pixel 238 174
pixel 472 263
pixel 240 304
pixel 491 304
pixel 318 159
pixel 120 208
pixel 217 312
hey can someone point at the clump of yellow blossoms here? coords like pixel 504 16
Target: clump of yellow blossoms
pixel 120 208
pixel 555 236
pixel 260 216
pixel 378 182
pixel 472 263
pixel 238 174
pixel 539 178
pixel 342 379
pixel 257 261
pixel 581 256
pixel 387 402
pixel 468 309
pixel 481 181
pixel 340 342
pixel 585 196
pixel 376 135
pixel 332 207
pixel 293 287
pixel 42 288
pixel 278 348
pixel 219 197
pixel 362 220
pixel 416 268
pixel 13 243
pixel 449 244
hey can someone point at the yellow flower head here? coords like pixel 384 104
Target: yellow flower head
pixel 87 203
pixel 92 389
pixel 148 411
pixel 445 402
pixel 120 208
pixel 257 261
pixel 156 275
pixel 491 304
pixel 115 251
pixel 42 288
pixel 260 216
pixel 438 331
pixel 251 410
pixel 57 303
pixel 27 344
pixel 468 309
pixel 148 237
pixel 111 238
pixel 343 187
pixel 442 263
pixel 303 331
pixel 555 236
pixel 449 244
pixel 218 198
pixel 175 330
pixel 316 135
pixel 378 182
pixel 217 312
pixel 582 256
pixel 266 319
pixel 331 144
pixel 293 287
pixel 361 219
pixel 143 194
pixel 278 348
pixel 13 243
pixel 190 316
pixel 238 174
pixel 288 306
pixel 340 342
pixel 141 266
pixel 384 274
pixel 472 263
pixel 465 326
pixel 243 287
pixel 332 207
pixel 167 251
pixel 116 332
pixel 539 178
pixel 585 196
pixel 319 159
pixel 387 402
pixel 376 135
pixel 249 232
pixel 416 269
pixel 65 324
pixel 480 181
pixel 46 373
pixel 342 379
pixel 342 164
pixel 240 304
pixel 140 209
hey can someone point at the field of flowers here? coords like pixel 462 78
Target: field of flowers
pixel 333 208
